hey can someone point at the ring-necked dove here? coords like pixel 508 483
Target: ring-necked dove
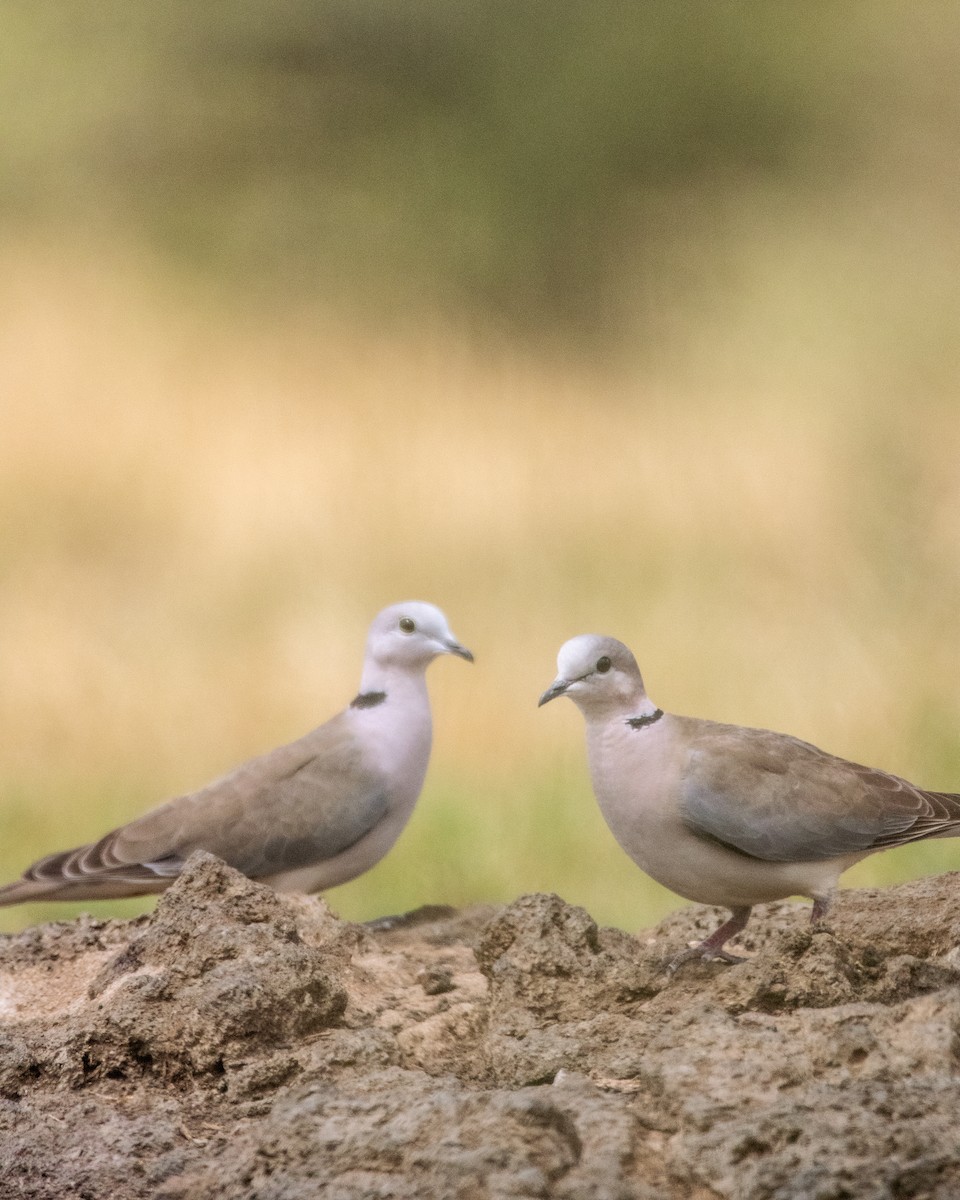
pixel 303 817
pixel 726 815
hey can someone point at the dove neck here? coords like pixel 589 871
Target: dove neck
pixel 400 728
pixel 397 683
pixel 638 711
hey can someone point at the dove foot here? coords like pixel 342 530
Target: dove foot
pixel 712 947
pixel 724 956
pixel 698 952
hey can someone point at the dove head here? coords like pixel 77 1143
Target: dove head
pixel 598 674
pixel 411 635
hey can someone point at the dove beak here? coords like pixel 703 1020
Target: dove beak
pixel 557 688
pixel 453 647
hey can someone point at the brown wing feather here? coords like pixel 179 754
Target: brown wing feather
pixel 777 798
pixel 301 803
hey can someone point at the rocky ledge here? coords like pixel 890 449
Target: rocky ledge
pixel 237 1043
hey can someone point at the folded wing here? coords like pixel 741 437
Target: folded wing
pixel 777 798
pixel 300 804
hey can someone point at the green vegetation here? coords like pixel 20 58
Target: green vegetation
pixel 532 162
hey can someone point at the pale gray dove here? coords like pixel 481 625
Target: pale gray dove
pixel 304 817
pixel 727 815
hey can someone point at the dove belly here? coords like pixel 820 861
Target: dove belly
pixel 343 867
pixel 708 872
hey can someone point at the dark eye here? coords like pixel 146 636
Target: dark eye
pixel 406 625
pixel 603 665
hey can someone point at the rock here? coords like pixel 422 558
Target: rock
pixel 223 963
pixel 237 1043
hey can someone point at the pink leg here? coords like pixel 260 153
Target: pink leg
pixel 821 906
pixel 712 947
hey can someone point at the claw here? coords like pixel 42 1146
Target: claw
pixel 712 947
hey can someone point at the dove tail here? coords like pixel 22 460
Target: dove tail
pixel 71 875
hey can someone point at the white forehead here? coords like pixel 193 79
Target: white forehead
pixel 427 617
pixel 579 656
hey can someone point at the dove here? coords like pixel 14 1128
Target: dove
pixel 304 817
pixel 728 815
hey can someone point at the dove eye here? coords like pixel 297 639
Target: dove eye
pixel 406 625
pixel 603 665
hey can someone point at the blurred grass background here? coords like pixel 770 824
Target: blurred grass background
pixel 640 320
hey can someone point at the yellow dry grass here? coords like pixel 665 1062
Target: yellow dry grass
pixel 201 511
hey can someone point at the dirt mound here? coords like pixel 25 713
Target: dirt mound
pixel 237 1043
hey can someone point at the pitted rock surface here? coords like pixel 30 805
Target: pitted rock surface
pixel 238 1043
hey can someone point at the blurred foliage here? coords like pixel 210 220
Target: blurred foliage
pixel 519 159
pixel 300 307
pixel 200 512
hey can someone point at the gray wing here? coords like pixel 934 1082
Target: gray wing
pixel 299 804
pixel 777 798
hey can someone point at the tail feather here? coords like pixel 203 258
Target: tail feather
pixel 104 887
pixel 48 869
pixel 938 817
pixel 70 875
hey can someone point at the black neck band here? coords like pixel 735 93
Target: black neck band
pixel 647 719
pixel 368 699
